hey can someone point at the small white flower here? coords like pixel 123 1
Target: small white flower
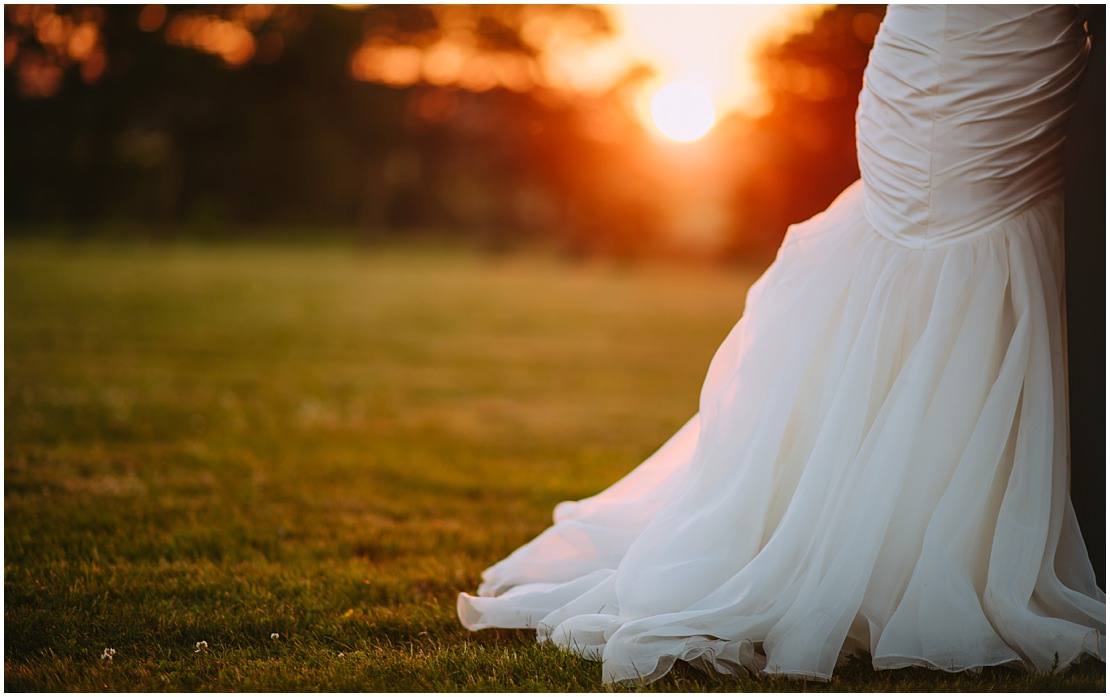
pixel 275 636
pixel 341 654
pixel 201 646
pixel 108 655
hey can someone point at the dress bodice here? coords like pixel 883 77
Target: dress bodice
pixel 962 117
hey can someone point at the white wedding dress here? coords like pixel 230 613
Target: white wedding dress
pixel 880 460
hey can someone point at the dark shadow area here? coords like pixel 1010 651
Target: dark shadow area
pixel 1085 280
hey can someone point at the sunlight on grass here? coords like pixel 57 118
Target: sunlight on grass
pixel 219 443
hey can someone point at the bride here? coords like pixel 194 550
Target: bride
pixel 879 463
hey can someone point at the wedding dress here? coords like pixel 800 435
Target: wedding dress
pixel 879 462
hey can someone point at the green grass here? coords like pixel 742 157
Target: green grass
pixel 220 442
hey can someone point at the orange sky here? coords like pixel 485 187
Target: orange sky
pixel 709 49
pixel 708 44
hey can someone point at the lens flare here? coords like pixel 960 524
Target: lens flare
pixel 683 111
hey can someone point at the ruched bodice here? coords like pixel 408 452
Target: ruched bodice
pixel 962 117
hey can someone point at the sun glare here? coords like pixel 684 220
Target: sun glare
pixel 712 46
pixel 683 111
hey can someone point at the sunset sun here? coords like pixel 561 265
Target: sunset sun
pixel 683 111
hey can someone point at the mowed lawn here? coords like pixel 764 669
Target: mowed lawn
pixel 221 443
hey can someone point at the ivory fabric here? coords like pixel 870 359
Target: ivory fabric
pixel 879 462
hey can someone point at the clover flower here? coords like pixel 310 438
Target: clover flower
pixel 108 655
pixel 201 646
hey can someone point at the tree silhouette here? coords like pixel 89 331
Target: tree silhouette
pixel 803 149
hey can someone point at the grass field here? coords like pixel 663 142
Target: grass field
pixel 218 443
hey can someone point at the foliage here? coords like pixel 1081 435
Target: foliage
pixel 805 146
pixel 394 119
pixel 215 443
pixel 170 130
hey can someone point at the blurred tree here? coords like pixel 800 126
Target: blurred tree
pixel 802 152
pixel 250 113
pixel 395 118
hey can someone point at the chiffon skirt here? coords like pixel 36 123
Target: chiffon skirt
pixel 879 464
